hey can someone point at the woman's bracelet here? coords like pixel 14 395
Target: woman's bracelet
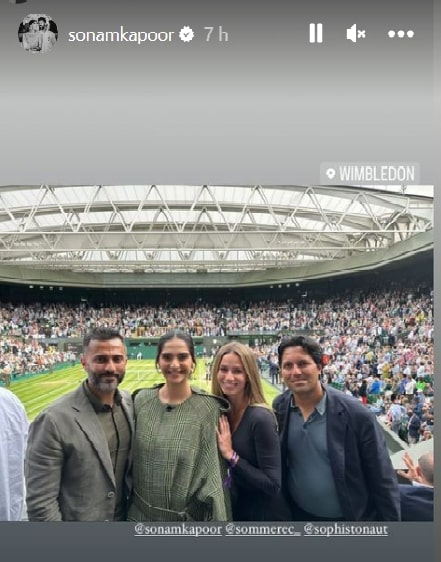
pixel 234 459
pixel 232 463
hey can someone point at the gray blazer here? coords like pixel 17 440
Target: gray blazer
pixel 68 470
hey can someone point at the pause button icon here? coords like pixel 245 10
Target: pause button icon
pixel 316 33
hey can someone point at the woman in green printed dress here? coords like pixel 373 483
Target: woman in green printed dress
pixel 178 472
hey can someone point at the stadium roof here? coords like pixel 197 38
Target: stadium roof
pixel 99 234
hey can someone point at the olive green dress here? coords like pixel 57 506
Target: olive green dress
pixel 178 472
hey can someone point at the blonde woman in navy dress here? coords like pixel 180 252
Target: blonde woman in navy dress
pixel 248 438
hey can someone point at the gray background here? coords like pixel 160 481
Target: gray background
pixel 266 107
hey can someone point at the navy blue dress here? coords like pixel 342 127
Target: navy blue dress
pixel 257 477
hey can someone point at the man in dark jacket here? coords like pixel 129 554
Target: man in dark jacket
pixel 273 370
pixel 417 498
pixel 335 462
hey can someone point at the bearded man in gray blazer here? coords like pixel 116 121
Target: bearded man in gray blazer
pixel 78 454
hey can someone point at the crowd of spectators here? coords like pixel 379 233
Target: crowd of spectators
pixel 377 345
pixel 20 357
pixel 379 348
pixel 360 315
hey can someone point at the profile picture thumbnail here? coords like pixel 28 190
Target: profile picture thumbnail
pixel 38 33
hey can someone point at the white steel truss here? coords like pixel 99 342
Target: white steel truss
pixel 189 229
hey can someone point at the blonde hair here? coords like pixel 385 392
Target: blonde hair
pixel 253 386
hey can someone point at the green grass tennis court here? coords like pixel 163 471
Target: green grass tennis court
pixel 40 390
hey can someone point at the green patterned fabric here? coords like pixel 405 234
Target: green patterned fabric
pixel 178 471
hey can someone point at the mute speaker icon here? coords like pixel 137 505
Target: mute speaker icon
pixel 352 33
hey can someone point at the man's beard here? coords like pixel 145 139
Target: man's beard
pixel 99 382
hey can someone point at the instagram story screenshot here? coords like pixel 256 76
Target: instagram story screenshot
pixel 218 279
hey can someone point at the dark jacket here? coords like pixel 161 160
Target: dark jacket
pixel 416 503
pixel 364 477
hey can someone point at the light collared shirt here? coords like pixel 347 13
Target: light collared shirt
pixel 13 436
